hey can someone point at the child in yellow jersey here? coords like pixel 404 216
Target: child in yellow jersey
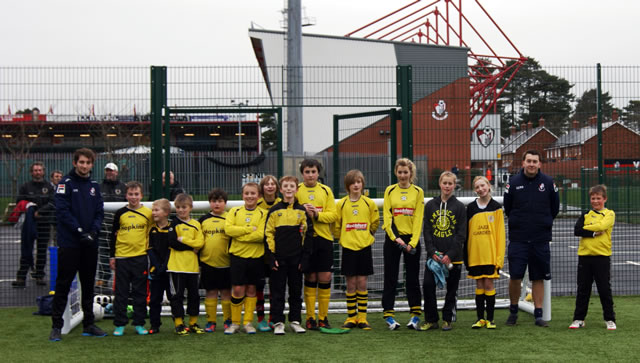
pixel 594 258
pixel 288 231
pixel 320 205
pixel 357 222
pixel 402 213
pixel 268 198
pixel 484 249
pixel 128 250
pixel 215 275
pixel 160 235
pixel 183 266
pixel 245 226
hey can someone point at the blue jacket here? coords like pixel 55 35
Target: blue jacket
pixel 79 209
pixel 531 204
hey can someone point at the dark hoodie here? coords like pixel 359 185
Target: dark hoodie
pixel 79 209
pixel 113 191
pixel 445 234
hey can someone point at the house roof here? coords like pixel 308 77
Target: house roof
pixel 513 142
pixel 583 134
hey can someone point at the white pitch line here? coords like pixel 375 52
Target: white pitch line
pixel 574 247
pixel 633 263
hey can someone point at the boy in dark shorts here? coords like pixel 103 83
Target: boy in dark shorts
pixel 320 204
pixel 357 222
pixel 215 275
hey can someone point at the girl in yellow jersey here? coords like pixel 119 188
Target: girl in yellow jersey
pixel 357 222
pixel 215 275
pixel 245 226
pixel 484 249
pixel 268 198
pixel 402 213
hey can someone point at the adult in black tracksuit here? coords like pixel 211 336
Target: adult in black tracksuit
pixel 445 231
pixel 531 203
pixel 112 190
pixel 80 211
pixel 36 225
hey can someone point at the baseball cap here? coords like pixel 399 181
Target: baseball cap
pixel 111 166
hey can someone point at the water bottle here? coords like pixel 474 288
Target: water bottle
pixel 440 255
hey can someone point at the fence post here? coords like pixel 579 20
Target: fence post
pixel 158 101
pixel 393 117
pixel 599 107
pixel 279 144
pixel 405 101
pixel 336 156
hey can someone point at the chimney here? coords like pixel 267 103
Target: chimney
pixel 593 121
pixel 576 124
pixel 614 115
pixel 513 130
pixel 541 122
pixel 529 126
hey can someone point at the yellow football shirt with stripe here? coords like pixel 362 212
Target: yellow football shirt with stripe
pixel 286 228
pixel 357 222
pixel 215 252
pixel 402 211
pixel 597 221
pixel 186 261
pixel 485 245
pixel 266 205
pixel 130 232
pixel 239 224
pixel 321 197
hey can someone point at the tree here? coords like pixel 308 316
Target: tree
pixel 587 106
pixel 533 94
pixel 631 114
pixel 269 128
pixel 17 139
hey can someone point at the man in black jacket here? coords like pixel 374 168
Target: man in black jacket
pixel 531 203
pixel 38 192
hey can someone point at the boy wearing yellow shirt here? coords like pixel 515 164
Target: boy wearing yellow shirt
pixel 183 266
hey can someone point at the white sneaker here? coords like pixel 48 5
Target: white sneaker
pixel 232 329
pixel 414 323
pixel 278 329
pixel 296 327
pixel 249 329
pixel 611 325
pixel 577 324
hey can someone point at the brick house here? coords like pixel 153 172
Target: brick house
pixel 528 138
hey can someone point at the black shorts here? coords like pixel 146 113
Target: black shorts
pixel 321 259
pixel 537 256
pixel 357 263
pixel 213 278
pixel 246 271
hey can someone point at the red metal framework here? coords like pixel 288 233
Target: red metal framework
pixel 489 72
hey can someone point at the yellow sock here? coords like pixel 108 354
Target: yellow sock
pixel 479 291
pixel 310 291
pixel 490 292
pixel 324 295
pixel 236 309
pixel 178 322
pixel 362 298
pixel 226 309
pixel 211 308
pixel 193 320
pixel 249 308
pixel 351 307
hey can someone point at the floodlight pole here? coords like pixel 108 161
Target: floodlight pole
pixel 294 77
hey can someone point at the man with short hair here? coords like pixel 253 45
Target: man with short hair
pixel 531 202
pixel 37 194
pixel 55 177
pixel 80 211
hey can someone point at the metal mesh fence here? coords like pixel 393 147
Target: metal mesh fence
pixel 550 109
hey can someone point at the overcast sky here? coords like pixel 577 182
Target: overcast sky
pixel 214 32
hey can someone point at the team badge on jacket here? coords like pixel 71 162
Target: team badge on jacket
pixel 541 187
pixel 92 191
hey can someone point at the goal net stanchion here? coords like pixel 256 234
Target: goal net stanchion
pixel 527 306
pixel 72 315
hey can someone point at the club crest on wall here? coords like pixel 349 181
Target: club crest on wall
pixel 440 111
pixel 485 136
